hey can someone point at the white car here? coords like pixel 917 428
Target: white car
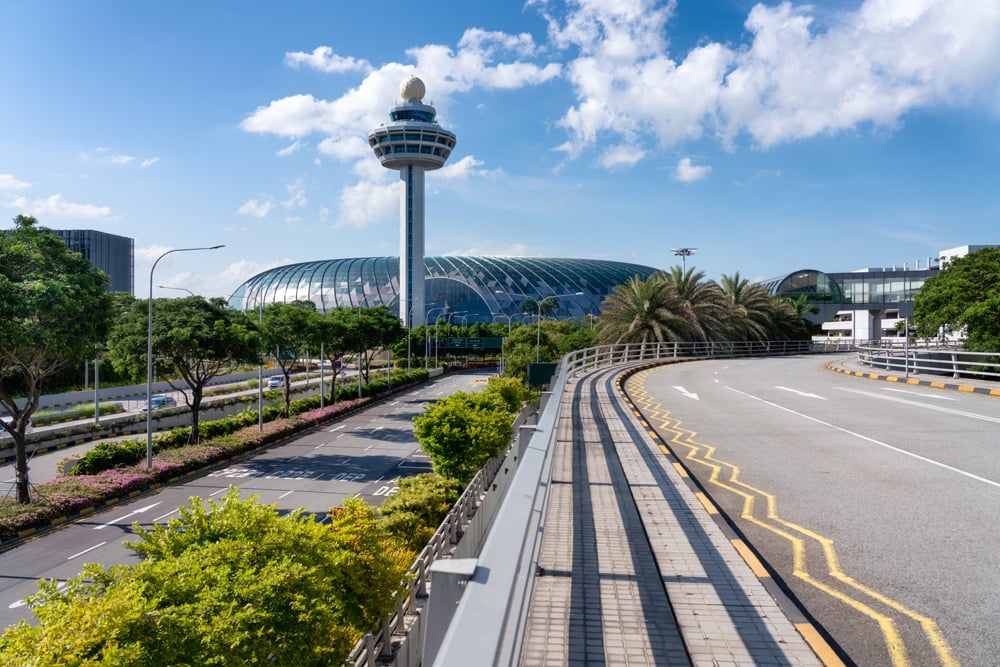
pixel 276 382
pixel 7 419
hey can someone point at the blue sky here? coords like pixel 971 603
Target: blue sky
pixel 771 137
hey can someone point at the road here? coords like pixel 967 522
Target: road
pixel 364 455
pixel 878 505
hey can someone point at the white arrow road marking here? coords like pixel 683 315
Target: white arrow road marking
pixel 800 393
pixel 132 513
pixel 687 393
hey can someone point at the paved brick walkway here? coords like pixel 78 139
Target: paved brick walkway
pixel 632 569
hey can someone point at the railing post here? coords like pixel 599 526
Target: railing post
pixel 448 585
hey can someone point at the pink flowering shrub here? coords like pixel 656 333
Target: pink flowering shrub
pixel 67 495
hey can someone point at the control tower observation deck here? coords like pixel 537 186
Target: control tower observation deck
pixel 412 143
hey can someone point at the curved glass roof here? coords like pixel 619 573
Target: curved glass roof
pixel 470 289
pixel 818 286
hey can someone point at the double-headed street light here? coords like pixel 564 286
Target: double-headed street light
pixel 149 353
pixel 683 253
pixel 180 289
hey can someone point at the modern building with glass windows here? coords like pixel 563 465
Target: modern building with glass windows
pixel 867 304
pixel 459 288
pixel 115 255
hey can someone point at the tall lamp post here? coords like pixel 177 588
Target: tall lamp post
pixel 683 253
pixel 509 320
pixel 538 333
pixel 149 353
pixel 259 302
pixel 180 289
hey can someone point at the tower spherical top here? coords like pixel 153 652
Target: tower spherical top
pixel 412 89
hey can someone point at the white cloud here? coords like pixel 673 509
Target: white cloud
pixel 617 156
pixel 367 203
pixel 325 60
pixel 685 172
pixel 296 195
pixel 121 159
pixel 149 162
pixel 291 148
pixel 464 169
pixel 8 182
pixel 345 147
pixel 258 208
pixel 56 207
pixel 150 254
pixel 792 80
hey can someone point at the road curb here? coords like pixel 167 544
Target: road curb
pixel 965 388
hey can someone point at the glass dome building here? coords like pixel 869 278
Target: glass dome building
pixel 468 289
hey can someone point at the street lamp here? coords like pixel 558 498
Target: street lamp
pixel 259 301
pixel 427 339
pixel 182 289
pixel 149 353
pixel 683 253
pixel 509 320
pixel 538 333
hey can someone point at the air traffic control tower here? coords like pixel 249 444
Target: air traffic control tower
pixel 411 143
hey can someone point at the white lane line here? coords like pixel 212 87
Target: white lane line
pixel 336 428
pixel 164 516
pixel 96 546
pixel 323 444
pixel 341 435
pixel 926 406
pixel 938 397
pixel 288 493
pixel 218 492
pixel 800 393
pixel 871 440
pixel 132 513
pixel 20 603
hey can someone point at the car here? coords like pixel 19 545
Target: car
pixel 276 382
pixel 7 419
pixel 159 402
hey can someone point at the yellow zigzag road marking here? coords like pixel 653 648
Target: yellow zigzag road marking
pixel 685 437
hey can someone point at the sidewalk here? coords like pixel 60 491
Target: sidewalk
pixel 851 366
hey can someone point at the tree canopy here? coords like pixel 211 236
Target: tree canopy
pixel 965 296
pixel 194 339
pixel 54 307
pixel 233 583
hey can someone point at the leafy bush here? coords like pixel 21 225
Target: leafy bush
pixel 416 511
pixel 108 455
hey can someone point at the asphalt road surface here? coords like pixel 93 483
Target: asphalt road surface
pixel 878 505
pixel 363 455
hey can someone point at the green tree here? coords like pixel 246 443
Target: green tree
pixel 333 332
pixel 643 310
pixel 519 350
pixel 964 297
pixel 462 431
pixel 700 302
pixel 54 306
pixel 194 340
pixel 234 583
pixel 748 308
pixel 288 329
pixel 375 328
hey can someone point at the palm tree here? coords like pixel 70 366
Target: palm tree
pixel 642 311
pixel 749 308
pixel 701 303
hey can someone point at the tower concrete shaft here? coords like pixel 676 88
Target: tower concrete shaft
pixel 412 143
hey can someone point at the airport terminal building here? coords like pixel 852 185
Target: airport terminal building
pixel 463 289
pixel 866 304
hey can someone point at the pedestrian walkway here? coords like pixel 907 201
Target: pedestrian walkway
pixel 632 568
pixel 851 366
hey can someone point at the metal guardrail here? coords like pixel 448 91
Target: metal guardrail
pixel 944 360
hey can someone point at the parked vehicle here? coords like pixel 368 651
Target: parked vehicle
pixel 159 402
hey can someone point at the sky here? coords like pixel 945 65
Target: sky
pixel 769 137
